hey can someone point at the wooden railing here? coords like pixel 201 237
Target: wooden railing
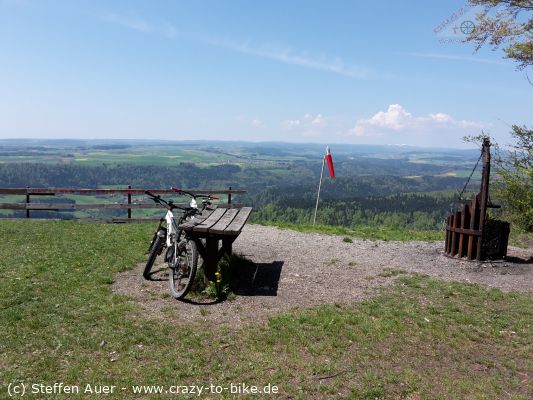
pixel 127 193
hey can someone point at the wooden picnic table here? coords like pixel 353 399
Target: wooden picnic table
pixel 219 227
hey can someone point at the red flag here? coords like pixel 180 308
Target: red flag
pixel 330 163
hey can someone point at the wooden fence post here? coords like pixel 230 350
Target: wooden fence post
pixel 229 195
pixel 27 201
pixel 129 202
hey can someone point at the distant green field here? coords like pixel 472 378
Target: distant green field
pixel 148 155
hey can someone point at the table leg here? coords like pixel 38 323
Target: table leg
pixel 211 254
pixel 227 245
pixel 211 258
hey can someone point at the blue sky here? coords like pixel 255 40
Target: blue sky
pixel 301 71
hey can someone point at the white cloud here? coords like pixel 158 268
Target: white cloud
pixel 453 57
pixel 283 54
pixel 257 123
pixel 292 123
pixel 287 55
pixel 395 118
pixel 137 23
pixel 398 120
pixel 319 121
pixel 440 117
pixel 309 125
pixel 169 30
pixel 128 21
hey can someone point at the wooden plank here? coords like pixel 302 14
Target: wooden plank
pixel 464 231
pixel 223 222
pixel 12 206
pixel 452 244
pixel 232 205
pixel 238 222
pixel 474 219
pixel 210 221
pixel 455 236
pixel 98 220
pixel 447 243
pixel 74 206
pixel 111 220
pixel 197 220
pixel 52 191
pixel 13 191
pixel 461 234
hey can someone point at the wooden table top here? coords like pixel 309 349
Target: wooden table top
pixel 218 221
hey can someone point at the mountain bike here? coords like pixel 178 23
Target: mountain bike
pixel 181 253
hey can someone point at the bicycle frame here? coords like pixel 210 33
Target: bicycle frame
pixel 172 227
pixel 171 234
pixel 181 253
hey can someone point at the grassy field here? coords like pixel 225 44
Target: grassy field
pixel 422 338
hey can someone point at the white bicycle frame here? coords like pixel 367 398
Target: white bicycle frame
pixel 169 218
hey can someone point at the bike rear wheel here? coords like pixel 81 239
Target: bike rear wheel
pixel 183 269
pixel 155 249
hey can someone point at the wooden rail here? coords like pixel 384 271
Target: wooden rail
pixel 130 204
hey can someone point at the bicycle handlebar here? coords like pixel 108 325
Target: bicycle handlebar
pixel 194 196
pixel 168 204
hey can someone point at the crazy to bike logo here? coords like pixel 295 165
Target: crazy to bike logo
pixel 467 27
pixel 463 23
pixel 457 26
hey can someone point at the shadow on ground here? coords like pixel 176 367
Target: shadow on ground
pixel 257 279
pixel 519 260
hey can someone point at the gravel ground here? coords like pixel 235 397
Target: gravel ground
pixel 296 270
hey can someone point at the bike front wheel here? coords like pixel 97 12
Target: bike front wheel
pixel 183 269
pixel 155 249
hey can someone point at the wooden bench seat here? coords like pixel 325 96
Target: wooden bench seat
pixel 214 226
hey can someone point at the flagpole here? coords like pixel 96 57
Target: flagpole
pixel 319 185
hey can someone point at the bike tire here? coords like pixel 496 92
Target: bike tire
pixel 155 250
pixel 181 276
pixel 160 231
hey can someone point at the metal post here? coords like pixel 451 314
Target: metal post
pixel 129 202
pixel 319 185
pixel 27 201
pixel 229 195
pixel 484 195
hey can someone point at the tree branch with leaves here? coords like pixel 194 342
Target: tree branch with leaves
pixel 507 24
pixel 514 175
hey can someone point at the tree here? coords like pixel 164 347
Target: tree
pixel 511 25
pixel 514 169
pixel 515 166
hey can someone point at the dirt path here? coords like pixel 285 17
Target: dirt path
pixel 296 270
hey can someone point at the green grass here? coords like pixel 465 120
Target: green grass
pixel 520 238
pixel 365 232
pixel 420 338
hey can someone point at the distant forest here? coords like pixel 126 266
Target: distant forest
pixel 285 193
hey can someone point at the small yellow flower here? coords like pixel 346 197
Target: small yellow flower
pixel 218 281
